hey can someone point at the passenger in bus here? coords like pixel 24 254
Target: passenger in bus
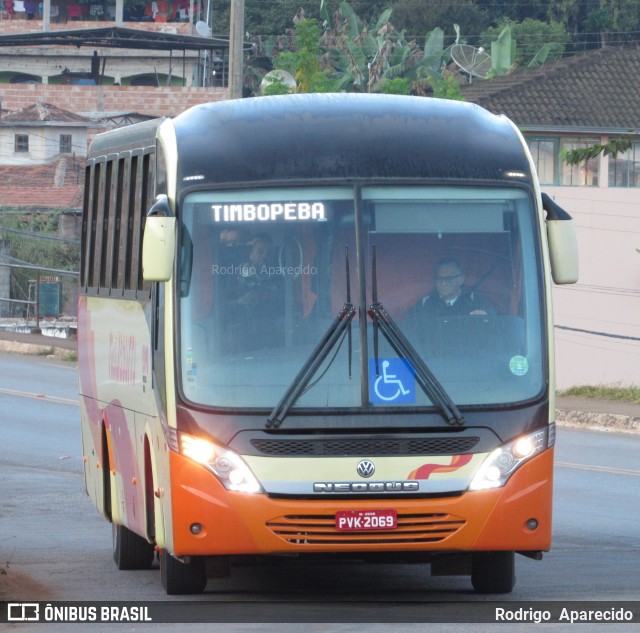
pixel 235 247
pixel 450 297
pixel 253 283
pixel 254 301
pixel 231 238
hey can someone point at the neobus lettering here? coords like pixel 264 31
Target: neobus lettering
pixel 376 486
pixel 268 212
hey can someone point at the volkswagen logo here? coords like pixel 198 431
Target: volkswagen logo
pixel 366 468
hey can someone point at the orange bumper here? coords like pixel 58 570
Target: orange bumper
pixel 238 523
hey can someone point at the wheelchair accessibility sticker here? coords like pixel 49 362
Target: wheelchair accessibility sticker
pixel 394 384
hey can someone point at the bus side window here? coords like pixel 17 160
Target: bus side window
pixel 89 224
pixel 148 196
pixel 122 236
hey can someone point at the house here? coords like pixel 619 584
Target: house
pixel 42 154
pixel 40 132
pixel 93 63
pixel 578 102
pixel 111 66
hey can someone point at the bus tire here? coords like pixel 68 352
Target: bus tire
pixel 182 578
pixel 493 572
pixel 131 551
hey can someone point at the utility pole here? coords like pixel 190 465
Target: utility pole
pixel 236 49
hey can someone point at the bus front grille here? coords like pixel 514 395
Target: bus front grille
pixel 321 530
pixel 355 447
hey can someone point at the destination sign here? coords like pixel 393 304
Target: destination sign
pixel 269 212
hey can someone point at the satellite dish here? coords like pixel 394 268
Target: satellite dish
pixel 203 29
pixel 278 75
pixel 474 61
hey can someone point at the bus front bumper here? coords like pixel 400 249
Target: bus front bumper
pixel 209 520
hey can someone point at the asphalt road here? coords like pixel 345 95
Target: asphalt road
pixel 54 545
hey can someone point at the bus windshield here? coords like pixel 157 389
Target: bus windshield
pixel 264 273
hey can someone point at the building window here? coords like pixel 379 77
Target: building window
pixel 545 153
pixel 585 174
pixel 65 143
pixel 21 143
pixel 624 169
pixel 553 170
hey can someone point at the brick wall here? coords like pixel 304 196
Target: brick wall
pixel 163 101
pixel 18 25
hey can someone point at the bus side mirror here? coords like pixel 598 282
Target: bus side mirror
pixel 159 241
pixel 563 245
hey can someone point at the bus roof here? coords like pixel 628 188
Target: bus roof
pixel 341 137
pixel 129 137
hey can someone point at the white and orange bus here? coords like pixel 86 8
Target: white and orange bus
pixel 258 374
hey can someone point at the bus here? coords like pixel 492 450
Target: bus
pixel 257 375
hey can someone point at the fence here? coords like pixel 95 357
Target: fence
pixel 50 292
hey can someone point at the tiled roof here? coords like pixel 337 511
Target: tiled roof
pixel 43 112
pixel 598 90
pixel 54 185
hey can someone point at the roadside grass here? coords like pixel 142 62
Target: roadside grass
pixel 624 394
pixel 66 356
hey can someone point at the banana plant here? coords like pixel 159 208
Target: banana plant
pixel 371 58
pixel 365 58
pixel 503 53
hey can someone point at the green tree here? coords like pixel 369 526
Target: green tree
pixel 445 87
pixel 303 63
pixel 369 58
pixel 499 10
pixel 596 23
pixel 616 21
pixel 31 237
pixel 612 147
pixel 355 56
pixel 419 17
pixel 534 39
pixel 262 18
pixel 397 86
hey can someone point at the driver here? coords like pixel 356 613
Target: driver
pixel 450 297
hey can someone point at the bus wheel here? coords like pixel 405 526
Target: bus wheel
pixel 131 551
pixel 182 578
pixel 493 572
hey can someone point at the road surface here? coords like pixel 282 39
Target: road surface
pixel 55 546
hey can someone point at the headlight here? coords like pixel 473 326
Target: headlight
pixel 501 463
pixel 226 465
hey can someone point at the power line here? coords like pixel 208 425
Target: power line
pixel 607 334
pixel 19 263
pixel 608 322
pixel 629 348
pixel 598 228
pixel 41 236
pixel 608 290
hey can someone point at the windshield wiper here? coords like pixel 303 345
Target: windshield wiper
pixel 333 334
pixel 430 384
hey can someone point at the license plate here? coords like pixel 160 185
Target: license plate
pixel 366 520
